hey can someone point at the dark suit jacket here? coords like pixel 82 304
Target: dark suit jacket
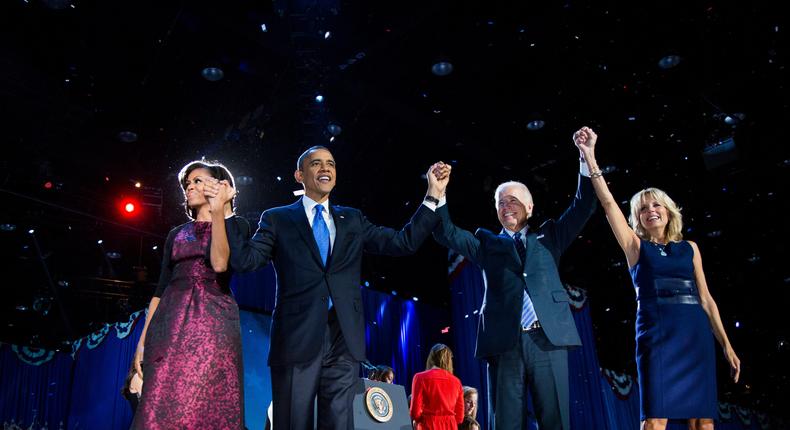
pixel 284 237
pixel 505 278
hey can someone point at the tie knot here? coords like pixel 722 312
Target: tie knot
pixel 517 236
pixel 319 209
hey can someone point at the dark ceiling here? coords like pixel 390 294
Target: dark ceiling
pixel 74 75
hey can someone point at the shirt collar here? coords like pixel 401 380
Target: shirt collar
pixel 523 232
pixel 309 204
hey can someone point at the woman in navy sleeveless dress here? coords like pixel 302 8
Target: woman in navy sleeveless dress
pixel 676 316
pixel 190 347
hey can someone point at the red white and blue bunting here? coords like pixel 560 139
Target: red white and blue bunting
pixel 124 328
pixel 744 414
pixel 37 356
pixel 728 411
pixel 724 411
pixel 33 356
pixel 578 296
pixel 97 337
pixel 621 383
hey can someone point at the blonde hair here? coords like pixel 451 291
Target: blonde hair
pixel 674 226
pixel 441 357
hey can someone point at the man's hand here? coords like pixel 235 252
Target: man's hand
pixel 438 177
pixel 218 193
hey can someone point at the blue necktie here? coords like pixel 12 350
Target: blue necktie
pixel 527 309
pixel 321 235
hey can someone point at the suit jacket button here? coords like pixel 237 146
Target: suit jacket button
pixel 323 299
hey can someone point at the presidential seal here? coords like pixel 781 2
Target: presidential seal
pixel 378 404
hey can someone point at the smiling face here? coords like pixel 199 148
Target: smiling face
pixel 514 206
pixel 653 216
pixel 317 174
pixel 470 405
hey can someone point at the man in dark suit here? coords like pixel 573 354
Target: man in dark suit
pixel 525 325
pixel 318 330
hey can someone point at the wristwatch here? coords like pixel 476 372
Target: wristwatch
pixel 432 199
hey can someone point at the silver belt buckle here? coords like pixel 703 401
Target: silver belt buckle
pixel 534 326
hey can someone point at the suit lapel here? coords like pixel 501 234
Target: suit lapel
pixel 531 241
pixel 341 228
pixel 511 245
pixel 299 218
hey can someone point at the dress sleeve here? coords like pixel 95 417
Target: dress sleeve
pixel 416 398
pixel 166 272
pixel 459 403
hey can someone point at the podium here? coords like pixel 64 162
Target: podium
pixel 381 406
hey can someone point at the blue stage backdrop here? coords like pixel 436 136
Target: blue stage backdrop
pixel 80 389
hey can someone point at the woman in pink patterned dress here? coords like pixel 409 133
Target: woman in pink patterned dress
pixel 190 347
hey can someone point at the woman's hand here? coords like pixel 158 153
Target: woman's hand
pixel 585 139
pixel 138 360
pixel 735 363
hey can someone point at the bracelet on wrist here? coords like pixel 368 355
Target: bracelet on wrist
pixel 596 174
pixel 431 199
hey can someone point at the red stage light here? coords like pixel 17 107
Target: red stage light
pixel 48 185
pixel 129 207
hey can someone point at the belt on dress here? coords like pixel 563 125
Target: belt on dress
pixel 670 291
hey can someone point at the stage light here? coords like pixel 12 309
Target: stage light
pixel 48 185
pixel 129 207
pixel 264 28
pixel 669 62
pixel 319 98
pixel 535 124
pixel 442 68
pixel 99 242
pixel 334 129
pixel 138 185
pixel 213 74
pixel 327 35
pixel 127 136
pixel 243 181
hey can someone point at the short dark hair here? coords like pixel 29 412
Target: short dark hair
pixel 218 171
pixel 307 152
pixel 381 372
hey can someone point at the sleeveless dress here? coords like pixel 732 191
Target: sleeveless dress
pixel 675 350
pixel 193 375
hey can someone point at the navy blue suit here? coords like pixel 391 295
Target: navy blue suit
pixel 519 360
pixel 314 350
